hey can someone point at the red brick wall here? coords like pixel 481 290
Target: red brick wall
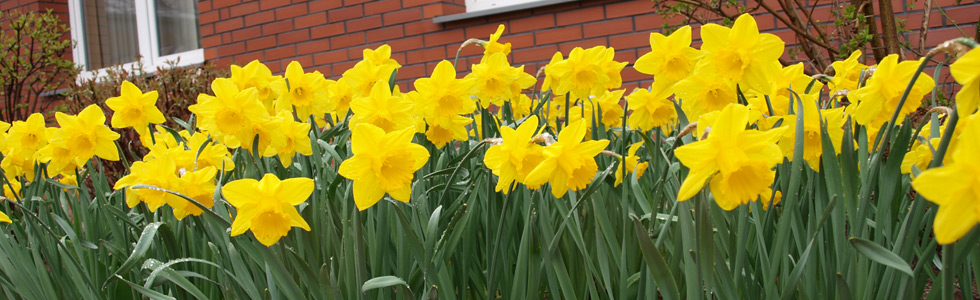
pixel 328 35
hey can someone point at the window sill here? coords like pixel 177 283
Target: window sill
pixel 497 10
pixel 183 59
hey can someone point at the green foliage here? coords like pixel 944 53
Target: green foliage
pixel 34 59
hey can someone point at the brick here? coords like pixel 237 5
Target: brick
pixel 606 28
pixel 380 7
pixel 228 25
pixel 246 34
pixel 385 33
pixel 411 72
pixel 243 9
pixel 484 31
pixel 293 37
pixel 260 18
pixel 531 24
pixel 629 8
pixel 519 40
pixel 208 17
pixel 206 30
pixel 211 41
pixel 653 22
pixel 277 27
pixel 584 44
pixel 324 5
pixel 558 35
pixel 223 3
pixel 526 55
pixel 280 52
pixel 632 40
pixel 556 8
pixel 347 40
pixel 327 30
pixel 628 55
pixel 414 28
pixel 306 61
pixel 271 4
pixel 411 3
pixel 260 43
pixel 339 68
pixel 444 37
pixel 501 18
pixel 246 58
pixel 440 9
pixel 330 57
pixel 228 50
pixel 425 55
pixel 310 20
pixel 405 44
pixel 354 2
pixel 402 16
pixel 312 47
pixel 362 24
pixel 203 6
pixel 291 11
pixel 581 15
pixel 210 53
pixel 345 13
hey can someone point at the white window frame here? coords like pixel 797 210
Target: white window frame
pixel 478 5
pixel 148 42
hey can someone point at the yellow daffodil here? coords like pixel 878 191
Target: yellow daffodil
pixel 17 164
pixel 381 108
pixel 671 58
pixel 297 140
pixel 211 154
pixel 161 173
pixel 704 91
pixel 496 81
pixel 267 206
pixel 741 54
pixel 494 46
pixel 442 130
pixel 612 111
pixel 256 75
pixel 5 218
pixel 442 95
pixel 812 134
pixel 521 107
pixel 922 154
pixel 229 113
pixel 516 156
pixel 27 136
pixel 878 99
pixel 847 73
pixel 551 78
pixel 12 191
pixel 375 67
pixel 781 82
pixel 59 159
pixel 339 95
pixel 966 71
pixel 651 109
pixel 382 163
pixel 133 108
pixel 737 162
pixel 632 164
pixel 587 72
pixel 198 185
pixel 569 163
pixel 301 92
pixel 86 135
pixel 954 187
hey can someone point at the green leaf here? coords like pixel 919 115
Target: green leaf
pixel 880 255
pixel 655 261
pixel 382 282
pixel 142 245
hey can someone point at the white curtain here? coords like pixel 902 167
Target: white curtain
pixel 110 32
pixel 177 28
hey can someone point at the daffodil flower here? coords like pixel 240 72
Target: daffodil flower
pixel 267 207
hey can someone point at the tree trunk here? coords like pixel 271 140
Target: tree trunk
pixel 889 30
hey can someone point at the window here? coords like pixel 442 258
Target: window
pixel 113 32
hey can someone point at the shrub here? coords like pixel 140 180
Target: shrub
pixel 32 61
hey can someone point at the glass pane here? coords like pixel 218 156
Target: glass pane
pixel 177 28
pixel 110 36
